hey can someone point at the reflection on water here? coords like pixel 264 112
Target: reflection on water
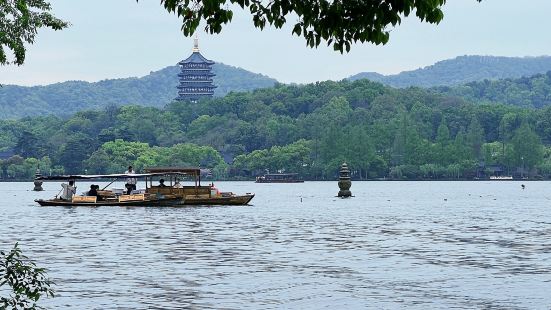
pixel 414 245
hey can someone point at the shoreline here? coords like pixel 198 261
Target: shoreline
pixel 335 180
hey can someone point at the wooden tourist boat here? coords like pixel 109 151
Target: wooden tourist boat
pixel 279 178
pixel 109 197
pixel 501 178
pixel 195 194
pixel 143 202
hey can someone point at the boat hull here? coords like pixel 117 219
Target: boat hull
pixel 279 181
pixel 133 203
pixel 219 201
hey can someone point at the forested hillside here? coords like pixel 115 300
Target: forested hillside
pixel 381 132
pixel 463 69
pixel 156 89
pixel 529 92
pixel 159 88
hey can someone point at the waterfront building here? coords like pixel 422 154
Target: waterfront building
pixel 195 76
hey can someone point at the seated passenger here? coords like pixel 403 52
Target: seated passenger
pixel 162 183
pixel 177 184
pixel 94 191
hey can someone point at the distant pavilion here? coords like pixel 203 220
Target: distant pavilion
pixel 195 76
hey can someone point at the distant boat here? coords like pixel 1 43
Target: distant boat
pixel 501 177
pixel 279 178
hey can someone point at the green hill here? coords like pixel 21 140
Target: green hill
pixel 159 88
pixel 463 69
pixel 381 132
pixel 156 89
pixel 529 92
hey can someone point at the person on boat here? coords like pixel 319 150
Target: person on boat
pixel 177 184
pixel 162 183
pixel 130 182
pixel 68 190
pixel 94 191
pixel 214 192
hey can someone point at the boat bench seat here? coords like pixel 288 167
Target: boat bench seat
pixel 106 193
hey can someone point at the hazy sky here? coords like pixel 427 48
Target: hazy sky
pixel 122 38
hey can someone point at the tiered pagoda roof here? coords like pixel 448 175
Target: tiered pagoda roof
pixel 195 76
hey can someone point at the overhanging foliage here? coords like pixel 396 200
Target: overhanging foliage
pixel 20 21
pixel 26 282
pixel 337 22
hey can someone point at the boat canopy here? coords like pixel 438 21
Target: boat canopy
pixel 97 176
pixel 282 174
pixel 175 170
pixel 151 172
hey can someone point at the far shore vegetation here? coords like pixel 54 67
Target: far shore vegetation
pixel 381 132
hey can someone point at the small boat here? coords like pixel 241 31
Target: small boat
pixel 145 202
pixel 195 194
pixel 110 197
pixel 279 178
pixel 501 177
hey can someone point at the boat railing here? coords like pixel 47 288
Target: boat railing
pixel 183 191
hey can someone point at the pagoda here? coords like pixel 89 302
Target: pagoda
pixel 195 76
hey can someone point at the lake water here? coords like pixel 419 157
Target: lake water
pixel 396 245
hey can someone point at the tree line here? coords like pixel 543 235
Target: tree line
pixel 381 132
pixel 529 91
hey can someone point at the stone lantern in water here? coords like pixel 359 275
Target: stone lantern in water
pixel 344 182
pixel 37 183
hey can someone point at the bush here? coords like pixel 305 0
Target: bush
pixel 27 282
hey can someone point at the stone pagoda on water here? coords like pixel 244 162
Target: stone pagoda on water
pixel 195 76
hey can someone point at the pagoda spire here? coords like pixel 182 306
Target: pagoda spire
pixel 195 44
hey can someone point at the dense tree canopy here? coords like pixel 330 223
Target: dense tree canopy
pixel 339 23
pixel 19 23
pixel 381 132
pixel 529 91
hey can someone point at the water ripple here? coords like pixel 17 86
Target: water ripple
pixel 396 245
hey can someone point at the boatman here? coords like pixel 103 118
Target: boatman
pixel 130 182
pixel 68 190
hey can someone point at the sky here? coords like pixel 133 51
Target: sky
pixel 122 38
